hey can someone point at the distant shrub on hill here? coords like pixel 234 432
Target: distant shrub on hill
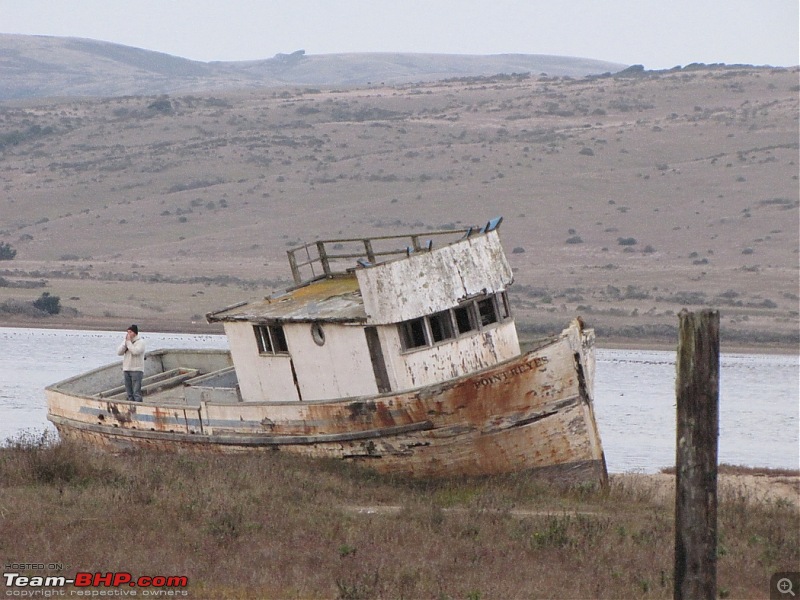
pixel 6 251
pixel 12 306
pixel 13 138
pixel 44 306
pixel 47 303
pixel 161 105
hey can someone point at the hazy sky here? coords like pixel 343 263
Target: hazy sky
pixel 656 33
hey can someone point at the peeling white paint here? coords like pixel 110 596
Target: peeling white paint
pixel 429 282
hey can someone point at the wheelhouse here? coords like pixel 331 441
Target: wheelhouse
pixel 376 315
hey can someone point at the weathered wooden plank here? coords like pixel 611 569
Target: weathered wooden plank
pixel 697 391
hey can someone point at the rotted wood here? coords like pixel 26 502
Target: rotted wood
pixel 697 392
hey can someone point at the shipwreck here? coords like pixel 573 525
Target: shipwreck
pixel 399 353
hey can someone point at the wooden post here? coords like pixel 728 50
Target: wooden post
pixel 697 391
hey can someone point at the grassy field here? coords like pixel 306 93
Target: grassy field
pixel 274 526
pixel 626 198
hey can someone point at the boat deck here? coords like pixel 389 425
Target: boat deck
pixel 172 378
pixel 183 386
pixel 154 383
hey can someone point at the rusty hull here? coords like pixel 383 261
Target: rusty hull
pixel 532 413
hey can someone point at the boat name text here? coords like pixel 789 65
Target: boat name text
pixel 535 363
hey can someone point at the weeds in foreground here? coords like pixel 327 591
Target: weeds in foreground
pixel 273 525
pixel 40 458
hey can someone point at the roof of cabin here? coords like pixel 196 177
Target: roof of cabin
pixel 333 299
pixel 332 295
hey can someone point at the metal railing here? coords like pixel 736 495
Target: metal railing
pixel 329 257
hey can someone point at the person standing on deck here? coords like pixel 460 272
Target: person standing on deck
pixel 132 353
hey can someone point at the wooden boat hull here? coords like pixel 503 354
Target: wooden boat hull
pixel 531 413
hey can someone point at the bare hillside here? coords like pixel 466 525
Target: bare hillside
pixel 625 197
pixel 33 66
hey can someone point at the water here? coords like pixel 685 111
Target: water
pixel 31 359
pixel 634 395
pixel 758 409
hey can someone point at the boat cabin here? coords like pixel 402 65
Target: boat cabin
pixel 376 315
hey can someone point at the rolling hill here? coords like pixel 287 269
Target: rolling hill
pixel 42 66
pixel 626 197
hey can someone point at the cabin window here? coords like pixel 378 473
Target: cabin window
pixel 412 333
pixel 487 311
pixel 278 338
pixel 465 319
pixel 318 334
pixel 270 339
pixel 441 326
pixel 449 324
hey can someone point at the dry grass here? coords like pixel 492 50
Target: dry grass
pixel 275 526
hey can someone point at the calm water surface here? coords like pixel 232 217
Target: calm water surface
pixel 759 406
pixel 635 395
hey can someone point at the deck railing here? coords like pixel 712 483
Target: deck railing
pixel 323 258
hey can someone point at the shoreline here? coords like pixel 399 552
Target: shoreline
pixel 639 344
pixel 157 325
pixel 757 485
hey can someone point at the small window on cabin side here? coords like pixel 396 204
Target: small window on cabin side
pixel 270 339
pixel 318 334
pixel 487 311
pixel 441 326
pixel 412 334
pixel 465 320
pixel 278 338
pixel 262 339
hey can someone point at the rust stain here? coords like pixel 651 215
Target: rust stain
pixel 161 419
pixel 123 418
pixel 361 411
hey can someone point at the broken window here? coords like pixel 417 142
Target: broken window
pixel 465 318
pixel 487 311
pixel 441 326
pixel 412 333
pixel 448 324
